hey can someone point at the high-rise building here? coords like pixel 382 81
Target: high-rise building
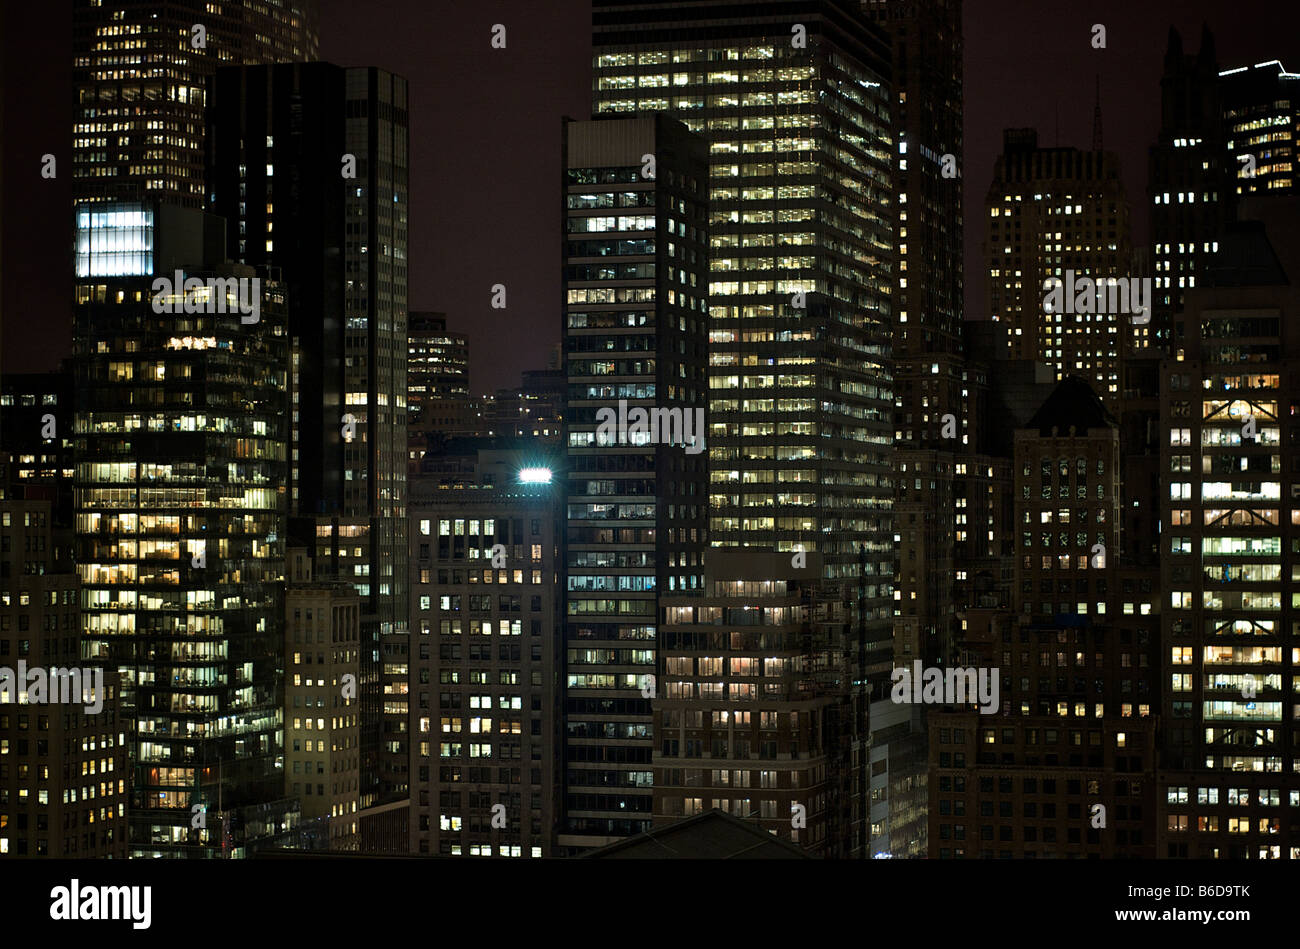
pixel 1069 502
pixel 437 388
pixel 1060 213
pixel 928 109
pixel 1063 763
pixel 795 104
pixel 308 164
pixel 1261 126
pixel 322 744
pixel 932 398
pixel 63 787
pixel 180 441
pixel 749 709
pixel 1190 182
pixel 1224 134
pixel 1228 559
pixel 635 198
pixel 140 71
pixel 485 675
pixel 36 431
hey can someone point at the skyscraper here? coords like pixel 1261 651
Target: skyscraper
pixel 928 107
pixel 794 102
pixel 1054 212
pixel 437 388
pixel 180 442
pixel 1261 125
pixel 1190 182
pixel 933 401
pixel 749 681
pixel 308 164
pixel 1224 134
pixel 1064 764
pixel 63 792
pixel 1229 553
pixel 140 71
pixel 322 745
pixel 486 719
pixel 636 282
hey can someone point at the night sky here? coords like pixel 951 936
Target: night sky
pixel 485 135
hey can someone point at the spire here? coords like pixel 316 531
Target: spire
pixel 1174 53
pixel 1207 55
pixel 1096 119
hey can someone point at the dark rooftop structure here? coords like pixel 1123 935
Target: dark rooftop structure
pixel 1071 406
pixel 713 835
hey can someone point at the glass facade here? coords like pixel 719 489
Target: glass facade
pixel 635 313
pixel 180 441
pixel 802 263
pixel 1229 567
pixel 115 241
pixel 139 74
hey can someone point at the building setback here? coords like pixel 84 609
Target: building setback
pixel 635 213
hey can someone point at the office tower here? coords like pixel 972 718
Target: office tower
pixel 63 786
pixel 1229 554
pixel 308 164
pixel 928 108
pixel 1261 123
pixel 1190 181
pixel 1054 213
pixel 486 716
pixel 36 431
pixel 140 71
pixel 1064 765
pixel 636 279
pixel 1068 476
pixel 793 100
pixel 746 708
pixel 180 445
pixel 932 397
pixel 437 386
pixel 322 744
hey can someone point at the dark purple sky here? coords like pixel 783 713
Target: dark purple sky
pixel 485 130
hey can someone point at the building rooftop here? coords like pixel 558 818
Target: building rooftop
pixel 713 835
pixel 1072 405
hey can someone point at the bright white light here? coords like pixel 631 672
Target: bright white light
pixel 535 475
